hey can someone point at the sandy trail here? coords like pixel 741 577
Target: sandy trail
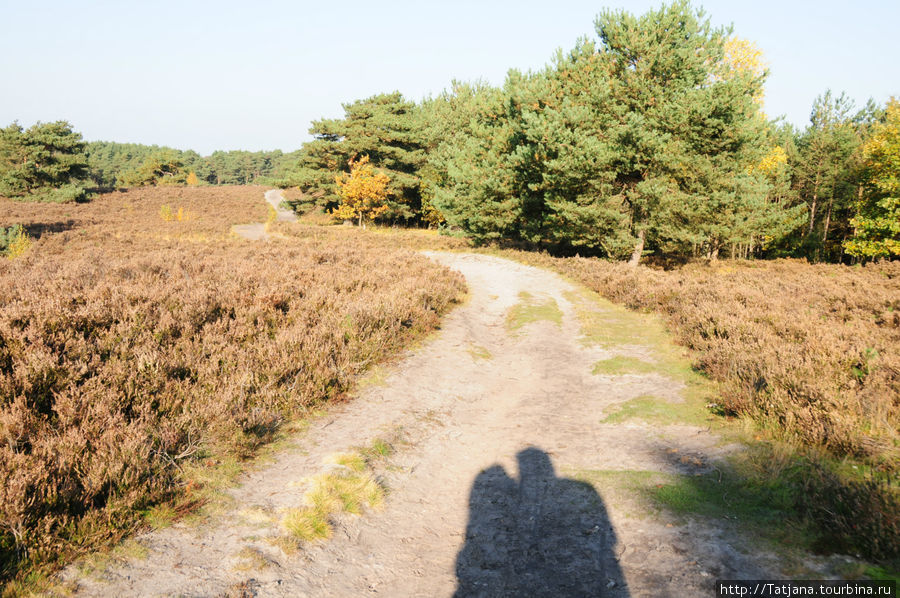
pixel 257 231
pixel 479 501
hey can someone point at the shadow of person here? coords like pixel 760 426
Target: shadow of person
pixel 540 536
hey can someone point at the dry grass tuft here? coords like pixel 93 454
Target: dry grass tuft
pixel 346 489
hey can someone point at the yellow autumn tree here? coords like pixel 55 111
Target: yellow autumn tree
pixel 877 222
pixel 363 192
pixel 192 179
pixel 742 56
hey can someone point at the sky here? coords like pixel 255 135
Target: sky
pixel 209 75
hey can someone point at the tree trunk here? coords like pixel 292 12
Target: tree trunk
pixel 827 222
pixel 812 208
pixel 638 250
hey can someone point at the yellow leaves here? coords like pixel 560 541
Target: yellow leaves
pixel 771 163
pixel 19 242
pixel 877 223
pixel 192 179
pixel 167 214
pixel 363 192
pixel 743 56
pixel 882 151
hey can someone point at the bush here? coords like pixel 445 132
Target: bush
pixel 14 241
pixel 64 194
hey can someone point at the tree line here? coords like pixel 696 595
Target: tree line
pixel 52 162
pixel 130 164
pixel 650 139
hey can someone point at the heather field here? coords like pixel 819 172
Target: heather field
pixel 143 346
pixel 146 352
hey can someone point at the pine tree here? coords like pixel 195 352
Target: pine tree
pixel 383 127
pixel 45 162
pixel 471 173
pixel 824 174
pixel 159 169
pixel 648 138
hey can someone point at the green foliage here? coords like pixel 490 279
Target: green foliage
pixel 113 164
pixel 647 136
pixel 877 223
pixel 468 157
pixel 385 128
pixel 162 168
pixel 45 162
pixel 240 167
pixel 825 175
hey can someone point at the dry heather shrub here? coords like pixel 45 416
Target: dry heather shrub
pixel 123 356
pixel 377 236
pixel 135 214
pixel 813 350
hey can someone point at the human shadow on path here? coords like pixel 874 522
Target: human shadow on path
pixel 538 536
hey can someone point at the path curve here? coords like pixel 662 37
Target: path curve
pixel 257 231
pixel 275 198
pixel 482 500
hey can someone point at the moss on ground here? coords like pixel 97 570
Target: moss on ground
pixel 529 310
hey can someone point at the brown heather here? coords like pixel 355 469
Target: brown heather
pixel 131 346
pixel 812 350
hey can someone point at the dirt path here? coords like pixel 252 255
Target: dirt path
pixel 498 417
pixel 257 231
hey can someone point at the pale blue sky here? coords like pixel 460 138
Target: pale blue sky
pixel 252 75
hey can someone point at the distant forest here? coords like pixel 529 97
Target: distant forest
pixel 651 139
pixel 112 164
pixel 51 162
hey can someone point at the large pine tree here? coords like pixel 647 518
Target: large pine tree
pixel 383 127
pixel 45 162
pixel 648 138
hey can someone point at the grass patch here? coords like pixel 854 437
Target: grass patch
pixel 376 376
pixel 307 525
pixel 348 489
pixel 97 563
pixel 882 574
pixel 352 461
pixel 160 516
pixel 608 325
pixel 621 364
pixel 651 409
pixel 380 449
pixel 764 508
pixel 725 495
pixel 528 311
